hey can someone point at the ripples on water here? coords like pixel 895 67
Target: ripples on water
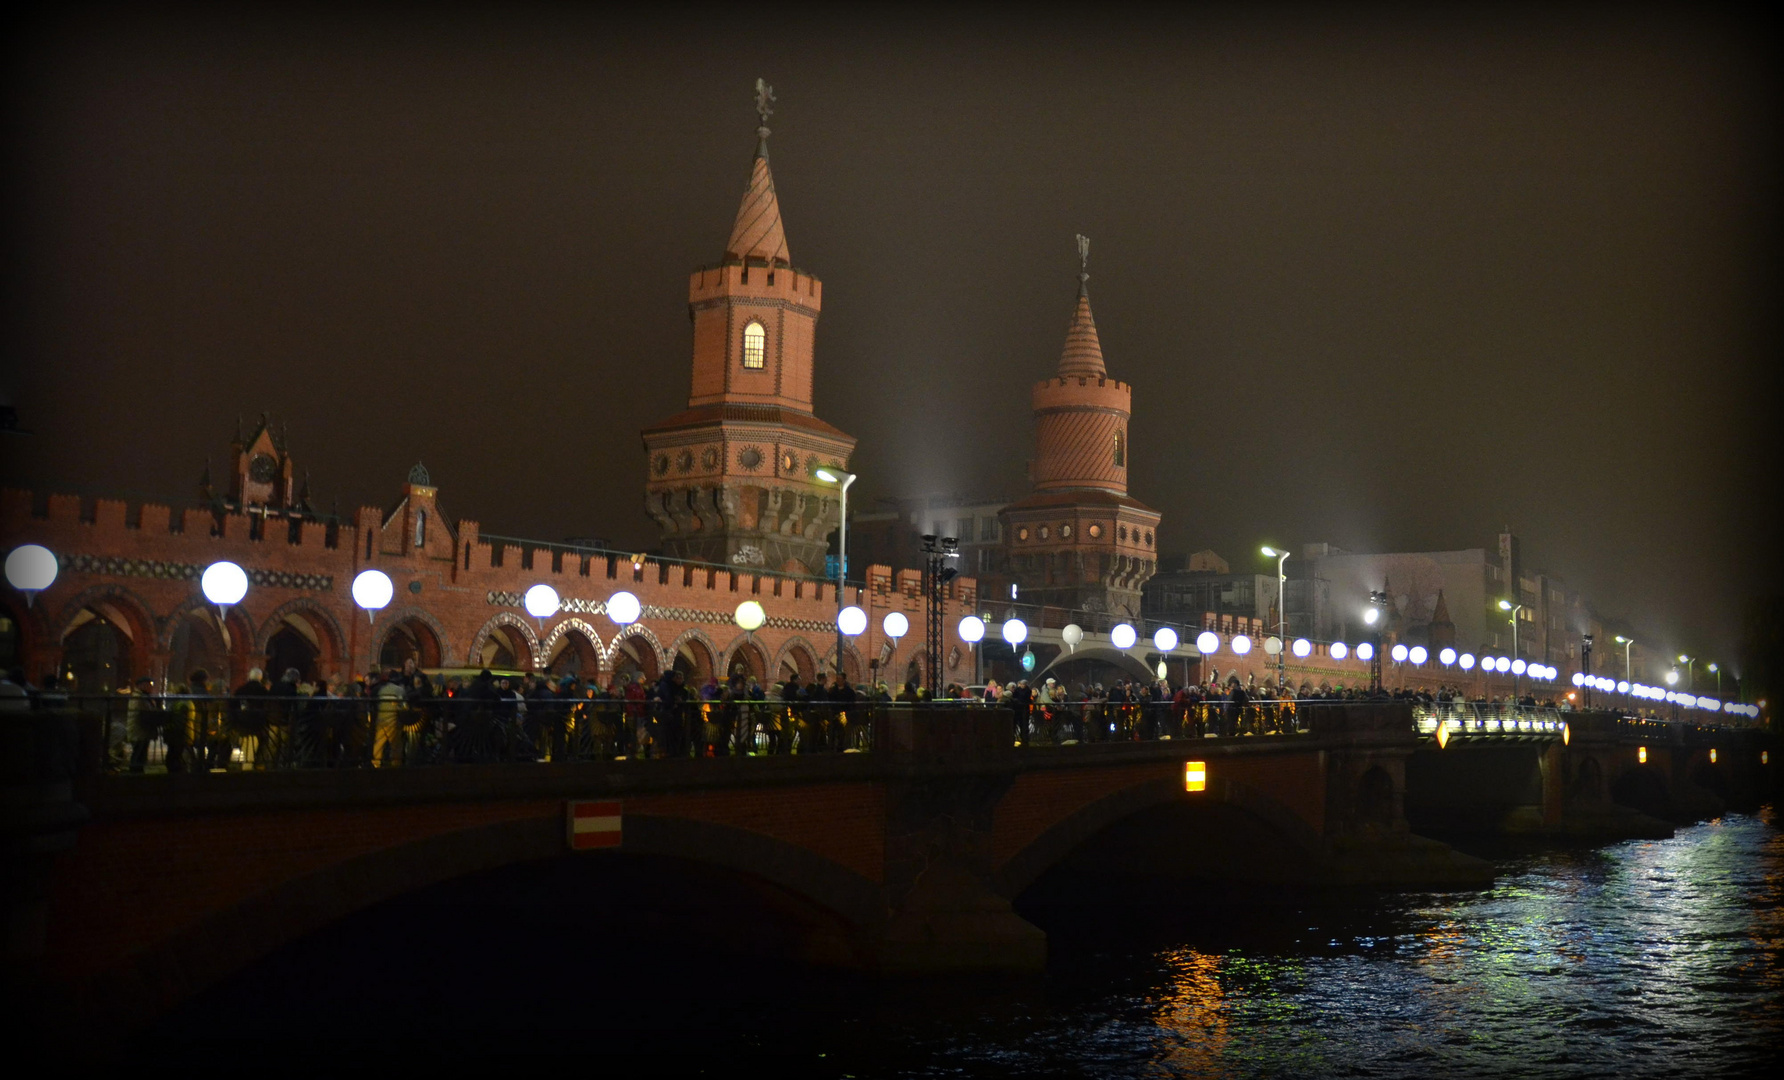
pixel 1644 958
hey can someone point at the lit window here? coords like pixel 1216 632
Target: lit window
pixel 421 528
pixel 755 346
pixel 1120 448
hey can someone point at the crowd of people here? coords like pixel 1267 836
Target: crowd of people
pixel 402 715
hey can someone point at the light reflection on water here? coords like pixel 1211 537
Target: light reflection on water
pixel 1640 958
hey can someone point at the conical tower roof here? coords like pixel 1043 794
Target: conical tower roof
pixel 1083 355
pixel 758 233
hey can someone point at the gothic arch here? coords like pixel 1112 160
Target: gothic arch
pixel 752 654
pixel 638 630
pixel 390 620
pixel 529 638
pixel 328 632
pixel 548 649
pixel 696 636
pixel 788 656
pixel 135 610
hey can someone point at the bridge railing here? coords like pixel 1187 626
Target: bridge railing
pixel 1488 719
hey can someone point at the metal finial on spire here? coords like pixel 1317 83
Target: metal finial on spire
pixel 1083 262
pixel 764 109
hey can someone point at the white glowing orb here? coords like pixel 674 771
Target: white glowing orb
pixel 1161 669
pixel 31 568
pixel 1502 665
pixel 1272 644
pixel 1164 639
pixel 1370 616
pixel 1123 636
pixel 1303 647
pixel 972 629
pixel 1417 654
pixel 1207 643
pixel 1339 650
pixel 851 620
pixel 749 616
pixel 541 601
pixel 372 590
pixel 895 624
pixel 1466 661
pixel 1072 634
pixel 1015 632
pixel 1398 653
pixel 1579 679
pixel 1365 651
pixel 1446 657
pixel 1517 667
pixel 224 583
pixel 623 608
pixel 1622 687
pixel 1241 645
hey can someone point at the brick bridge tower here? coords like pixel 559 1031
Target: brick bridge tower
pixel 732 478
pixel 1079 541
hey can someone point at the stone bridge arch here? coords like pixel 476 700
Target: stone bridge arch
pixel 578 635
pixel 652 658
pixel 221 941
pixel 1043 850
pixel 329 639
pixel 520 637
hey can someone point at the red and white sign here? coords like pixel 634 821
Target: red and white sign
pixel 593 824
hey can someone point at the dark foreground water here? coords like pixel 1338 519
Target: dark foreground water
pixel 1645 958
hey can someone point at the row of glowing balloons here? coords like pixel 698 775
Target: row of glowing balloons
pixel 1682 698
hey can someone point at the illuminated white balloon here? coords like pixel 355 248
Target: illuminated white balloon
pixel 851 620
pixel 1417 654
pixel 1398 653
pixel 1072 634
pixel 1517 667
pixel 1466 661
pixel 31 568
pixel 895 624
pixel 1241 644
pixel 1272 644
pixel 224 583
pixel 972 629
pixel 1447 657
pixel 1303 647
pixel 541 601
pixel 1622 687
pixel 1162 670
pixel 373 590
pixel 1123 636
pixel 623 608
pixel 1015 632
pixel 1503 664
pixel 1339 650
pixel 1579 679
pixel 1164 640
pixel 1365 651
pixel 1207 643
pixel 749 616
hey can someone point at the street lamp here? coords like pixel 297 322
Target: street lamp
pixel 1281 557
pixel 1716 670
pixel 1690 663
pixel 1507 605
pixel 372 591
pixel 844 479
pixel 1378 599
pixel 1586 666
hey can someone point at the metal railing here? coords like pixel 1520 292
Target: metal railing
pixel 1487 719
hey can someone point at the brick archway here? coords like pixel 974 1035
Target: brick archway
pixel 576 634
pixel 127 612
pixel 1031 848
pixel 220 941
pixel 518 632
pixel 389 622
pixel 705 655
pixel 799 654
pixel 652 658
pixel 330 639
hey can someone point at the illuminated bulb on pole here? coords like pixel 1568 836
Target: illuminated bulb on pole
pixel 623 608
pixel 895 625
pixel 749 616
pixel 224 583
pixel 541 601
pixel 1071 635
pixel 1164 640
pixel 1015 632
pixel 1207 643
pixel 31 568
pixel 1446 657
pixel 1339 650
pixel 1241 644
pixel 1466 661
pixel 972 629
pixel 1303 647
pixel 852 621
pixel 1365 651
pixel 372 591
pixel 1123 636
pixel 1398 652
pixel 1417 654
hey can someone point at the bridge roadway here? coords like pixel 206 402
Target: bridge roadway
pixel 131 893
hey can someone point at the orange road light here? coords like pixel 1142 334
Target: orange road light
pixel 1442 734
pixel 1641 755
pixel 1195 776
pixel 1712 755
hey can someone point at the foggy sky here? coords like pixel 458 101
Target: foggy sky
pixel 1391 282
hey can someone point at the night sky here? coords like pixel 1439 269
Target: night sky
pixel 1392 281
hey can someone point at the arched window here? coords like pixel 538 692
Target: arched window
pixel 1120 449
pixel 420 528
pixel 755 346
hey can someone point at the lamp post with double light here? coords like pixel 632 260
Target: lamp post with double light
pixel 1281 557
pixel 1515 609
pixel 842 480
pixel 1627 643
pixel 1690 663
pixel 1378 600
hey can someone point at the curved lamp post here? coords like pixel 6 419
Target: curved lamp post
pixel 1281 557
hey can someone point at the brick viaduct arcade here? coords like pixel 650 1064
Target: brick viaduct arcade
pixel 129 893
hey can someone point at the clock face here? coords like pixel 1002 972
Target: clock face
pixel 660 464
pixel 262 468
pixel 1096 531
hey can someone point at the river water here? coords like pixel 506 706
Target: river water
pixel 1642 958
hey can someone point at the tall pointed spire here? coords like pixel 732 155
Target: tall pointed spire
pixel 758 233
pixel 1083 354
